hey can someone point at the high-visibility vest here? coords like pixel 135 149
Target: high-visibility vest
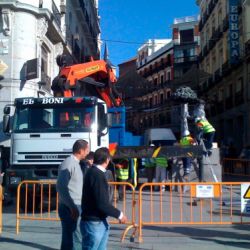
pixel 186 141
pixel 149 162
pixel 161 162
pixel 205 126
pixel 123 173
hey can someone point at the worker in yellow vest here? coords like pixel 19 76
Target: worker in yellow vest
pixel 187 140
pixel 206 132
pixel 122 174
pixel 161 170
pixel 150 168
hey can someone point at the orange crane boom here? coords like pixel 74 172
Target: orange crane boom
pixel 95 78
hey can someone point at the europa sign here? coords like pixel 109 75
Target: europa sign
pixel 234 43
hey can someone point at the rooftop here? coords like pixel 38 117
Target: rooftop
pixel 187 19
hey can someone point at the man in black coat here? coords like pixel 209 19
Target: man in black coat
pixel 96 206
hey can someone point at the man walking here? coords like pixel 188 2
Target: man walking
pixel 96 206
pixel 69 187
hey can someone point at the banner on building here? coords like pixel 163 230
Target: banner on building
pixel 234 43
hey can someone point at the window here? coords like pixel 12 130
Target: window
pixel 45 60
pixel 221 93
pixel 214 63
pixel 187 36
pixel 229 92
pixel 162 98
pixel 220 18
pixel 221 57
pixel 239 85
pixel 169 76
pixel 162 78
pixel 70 17
pixel 150 102
pixel 53 119
pixel 155 81
pixel 156 100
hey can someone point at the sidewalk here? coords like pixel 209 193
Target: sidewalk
pixel 46 236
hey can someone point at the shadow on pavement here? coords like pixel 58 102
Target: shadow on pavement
pixel 208 234
pixel 238 244
pixel 26 243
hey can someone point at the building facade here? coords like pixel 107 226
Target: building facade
pixel 32 34
pixel 224 35
pixel 162 68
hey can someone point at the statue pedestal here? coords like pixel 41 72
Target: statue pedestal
pixel 211 165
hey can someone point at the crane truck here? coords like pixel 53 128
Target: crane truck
pixel 86 105
pixel 42 131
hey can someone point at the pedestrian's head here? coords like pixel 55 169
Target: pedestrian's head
pixel 102 157
pixel 81 149
pixel 90 158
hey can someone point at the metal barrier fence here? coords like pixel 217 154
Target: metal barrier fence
pixel 237 167
pixel 181 203
pixel 1 209
pixel 191 204
pixel 124 199
pixel 38 200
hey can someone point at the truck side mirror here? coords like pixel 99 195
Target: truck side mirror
pixel 109 120
pixel 6 123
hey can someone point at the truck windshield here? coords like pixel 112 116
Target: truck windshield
pixel 53 119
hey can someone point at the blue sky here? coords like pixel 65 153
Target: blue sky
pixel 138 20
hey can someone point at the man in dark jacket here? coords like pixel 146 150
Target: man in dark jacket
pixel 96 206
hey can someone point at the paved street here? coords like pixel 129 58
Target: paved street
pixel 46 235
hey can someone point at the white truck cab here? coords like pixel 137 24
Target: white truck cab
pixel 44 130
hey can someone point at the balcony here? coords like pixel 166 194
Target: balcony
pixel 211 43
pixel 211 6
pixel 200 25
pixel 239 98
pixel 247 49
pixel 159 67
pixel 86 15
pixel 56 14
pixel 77 52
pixel 225 23
pixel 226 68
pixel 207 14
pixel 220 107
pixel 200 57
pixel 217 76
pixel 213 110
pixel 205 50
pixel 229 103
pixel 185 60
pixel 217 34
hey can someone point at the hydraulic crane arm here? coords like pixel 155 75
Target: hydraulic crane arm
pixel 95 78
